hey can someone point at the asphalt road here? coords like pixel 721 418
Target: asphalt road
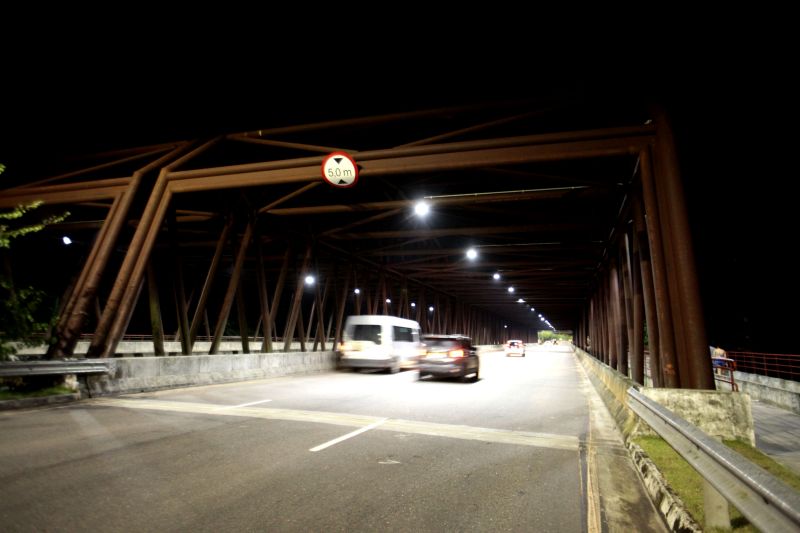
pixel 526 448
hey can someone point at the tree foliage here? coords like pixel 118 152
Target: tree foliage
pixel 20 307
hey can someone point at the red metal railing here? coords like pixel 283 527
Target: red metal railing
pixel 723 371
pixel 775 365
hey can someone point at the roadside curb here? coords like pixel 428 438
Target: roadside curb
pixel 24 403
pixel 666 501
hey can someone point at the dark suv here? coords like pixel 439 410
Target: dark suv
pixel 449 356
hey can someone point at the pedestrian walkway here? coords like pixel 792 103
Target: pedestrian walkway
pixel 777 433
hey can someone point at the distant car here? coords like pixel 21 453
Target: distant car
pixel 449 356
pixel 515 347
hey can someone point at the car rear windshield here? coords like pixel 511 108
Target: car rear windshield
pixel 443 343
pixel 367 332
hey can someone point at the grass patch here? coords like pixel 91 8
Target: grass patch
pixel 18 395
pixel 688 484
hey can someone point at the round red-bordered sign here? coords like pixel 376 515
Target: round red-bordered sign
pixel 340 170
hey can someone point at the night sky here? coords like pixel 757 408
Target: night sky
pixel 725 115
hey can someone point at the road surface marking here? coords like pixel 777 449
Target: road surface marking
pixel 345 437
pixel 453 431
pixel 241 405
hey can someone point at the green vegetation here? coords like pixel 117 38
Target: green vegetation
pixel 6 394
pixel 21 310
pixel 547 335
pixel 688 484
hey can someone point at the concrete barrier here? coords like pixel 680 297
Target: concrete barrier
pixel 138 374
pixel 779 392
pixel 722 414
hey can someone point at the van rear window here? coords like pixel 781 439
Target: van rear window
pixel 367 332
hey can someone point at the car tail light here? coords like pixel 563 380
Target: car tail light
pixel 456 353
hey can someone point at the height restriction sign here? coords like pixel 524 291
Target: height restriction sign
pixel 339 170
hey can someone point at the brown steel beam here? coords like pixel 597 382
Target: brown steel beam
pixel 291 145
pixel 178 289
pixel 156 327
pixel 276 297
pixel 233 284
pixel 288 197
pixel 263 298
pixel 624 136
pixel 361 222
pixel 295 311
pixel 101 166
pixel 437 201
pixel 467 230
pixel 66 194
pixel 71 326
pixel 342 305
pixel 669 185
pixel 200 310
pixel 474 128
pixel 241 311
pixel 666 350
pixel 120 303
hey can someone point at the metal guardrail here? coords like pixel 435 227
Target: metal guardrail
pixel 764 500
pixel 41 368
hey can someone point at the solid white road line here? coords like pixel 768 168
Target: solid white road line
pixel 241 405
pixel 500 436
pixel 345 437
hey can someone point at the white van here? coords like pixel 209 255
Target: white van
pixel 379 341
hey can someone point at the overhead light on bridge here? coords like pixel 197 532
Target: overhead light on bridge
pixel 413 304
pixel 66 240
pixel 309 280
pixel 421 209
pixel 532 309
pixel 388 300
pixel 472 254
pixel 511 289
pixel 357 291
pixel 430 309
pixel 496 275
pixel 520 301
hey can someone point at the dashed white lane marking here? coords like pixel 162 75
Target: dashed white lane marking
pixel 345 437
pixel 241 405
pixel 453 431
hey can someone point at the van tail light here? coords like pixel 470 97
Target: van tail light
pixel 456 353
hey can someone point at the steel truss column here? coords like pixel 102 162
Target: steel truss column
pixel 343 305
pixel 276 298
pixel 295 311
pixel 635 303
pixel 645 273
pixel 660 286
pixel 682 261
pixel 233 284
pixel 241 311
pixel 156 324
pixel 263 297
pixel 119 305
pixel 73 319
pixel 320 300
pixel 619 329
pixel 200 310
pixel 178 290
